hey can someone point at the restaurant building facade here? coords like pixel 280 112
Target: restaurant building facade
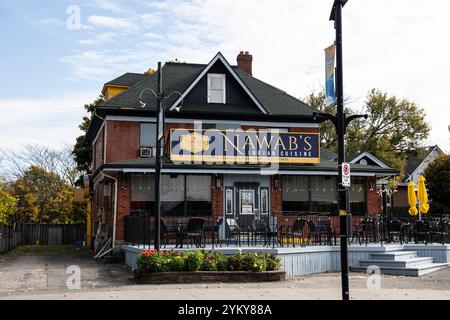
pixel 234 147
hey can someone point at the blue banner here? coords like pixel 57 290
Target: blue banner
pixel 330 93
pixel 269 146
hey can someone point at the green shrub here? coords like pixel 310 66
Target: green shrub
pixel 194 261
pixel 273 263
pixel 222 262
pixel 155 262
pixel 177 263
pixel 255 262
pixel 165 261
pixel 209 263
pixel 236 262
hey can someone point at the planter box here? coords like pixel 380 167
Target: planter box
pixel 208 276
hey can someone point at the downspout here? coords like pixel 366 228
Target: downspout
pixel 115 208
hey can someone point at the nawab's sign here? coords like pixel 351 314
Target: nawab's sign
pixel 250 146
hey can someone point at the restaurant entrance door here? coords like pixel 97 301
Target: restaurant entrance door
pixel 247 204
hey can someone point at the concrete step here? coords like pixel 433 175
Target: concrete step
pixel 395 255
pixel 412 262
pixel 411 271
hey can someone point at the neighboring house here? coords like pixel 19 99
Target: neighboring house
pixel 200 178
pixel 414 168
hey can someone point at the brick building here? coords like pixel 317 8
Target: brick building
pixel 234 146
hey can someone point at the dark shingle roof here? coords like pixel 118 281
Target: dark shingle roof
pixel 127 79
pixel 179 76
pixel 412 163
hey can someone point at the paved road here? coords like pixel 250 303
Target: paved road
pixel 28 275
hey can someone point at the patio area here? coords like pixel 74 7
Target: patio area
pixel 306 243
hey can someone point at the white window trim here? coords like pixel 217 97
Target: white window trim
pixel 223 77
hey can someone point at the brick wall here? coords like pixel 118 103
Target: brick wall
pixel 400 198
pixel 276 204
pixel 122 140
pixel 217 198
pixel 374 200
pixel 123 205
pixel 98 151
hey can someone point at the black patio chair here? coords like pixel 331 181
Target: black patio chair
pixel 194 231
pixel 421 231
pixel 434 229
pixel 298 230
pixel 214 229
pixel 258 229
pixel 233 231
pixel 365 231
pixel 395 230
pixel 445 231
pixel 322 228
pixel 167 231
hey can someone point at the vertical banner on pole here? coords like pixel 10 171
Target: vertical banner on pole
pixel 330 93
pixel 161 130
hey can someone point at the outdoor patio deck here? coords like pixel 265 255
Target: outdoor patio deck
pixel 311 259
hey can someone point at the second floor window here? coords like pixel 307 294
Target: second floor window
pixel 216 88
pixel 148 135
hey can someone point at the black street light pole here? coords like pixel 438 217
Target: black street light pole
pixel 341 121
pixel 159 138
pixel 160 120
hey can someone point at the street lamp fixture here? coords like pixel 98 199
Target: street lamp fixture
pixel 340 121
pixel 160 119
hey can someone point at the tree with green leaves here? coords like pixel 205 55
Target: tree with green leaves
pixel 43 197
pixel 7 205
pixel 395 128
pixel 437 177
pixel 82 151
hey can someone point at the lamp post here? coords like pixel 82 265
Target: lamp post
pixel 341 121
pixel 160 121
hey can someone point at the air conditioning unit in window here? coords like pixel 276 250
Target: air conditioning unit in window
pixel 146 152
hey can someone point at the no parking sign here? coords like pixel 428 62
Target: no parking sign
pixel 346 174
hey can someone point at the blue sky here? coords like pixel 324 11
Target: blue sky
pixel 51 68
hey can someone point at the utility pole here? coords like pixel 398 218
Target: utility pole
pixel 340 121
pixel 159 141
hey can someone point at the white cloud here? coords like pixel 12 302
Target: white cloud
pixel 150 20
pixel 109 5
pixel 154 36
pixel 101 39
pixel 53 121
pixel 401 52
pixel 111 22
pixel 52 22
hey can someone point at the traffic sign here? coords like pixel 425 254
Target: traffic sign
pixel 345 174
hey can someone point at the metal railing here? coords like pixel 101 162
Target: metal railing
pixel 282 229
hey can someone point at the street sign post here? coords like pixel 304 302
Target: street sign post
pixel 346 174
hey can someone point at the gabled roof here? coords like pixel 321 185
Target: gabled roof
pixel 179 77
pixel 219 57
pixel 356 158
pixel 413 163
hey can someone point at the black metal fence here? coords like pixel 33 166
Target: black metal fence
pixel 284 229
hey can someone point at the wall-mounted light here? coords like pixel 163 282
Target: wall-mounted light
pixel 218 182
pixel 124 182
pixel 276 182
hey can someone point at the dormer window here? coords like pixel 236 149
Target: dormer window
pixel 216 88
